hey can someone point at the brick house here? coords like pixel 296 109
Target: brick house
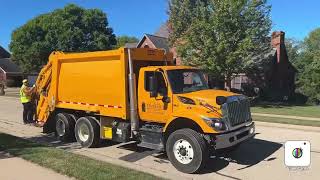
pixel 153 41
pixel 279 78
pixel 4 53
pixel 160 40
pixel 10 73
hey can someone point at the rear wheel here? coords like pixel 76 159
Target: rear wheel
pixel 65 127
pixel 187 150
pixel 87 132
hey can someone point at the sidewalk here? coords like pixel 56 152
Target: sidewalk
pixel 14 168
pixel 286 116
pixel 288 126
pixel 12 92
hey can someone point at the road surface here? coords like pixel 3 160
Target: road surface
pixel 259 158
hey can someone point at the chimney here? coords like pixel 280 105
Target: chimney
pixel 277 41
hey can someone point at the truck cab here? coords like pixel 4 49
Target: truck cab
pixel 179 98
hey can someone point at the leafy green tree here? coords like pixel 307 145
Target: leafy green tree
pixel 71 29
pixel 220 36
pixel 308 65
pixel 293 47
pixel 122 40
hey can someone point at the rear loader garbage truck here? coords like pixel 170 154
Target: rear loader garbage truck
pixel 139 95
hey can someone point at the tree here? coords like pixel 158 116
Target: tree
pixel 122 40
pixel 71 29
pixel 219 36
pixel 308 64
pixel 293 47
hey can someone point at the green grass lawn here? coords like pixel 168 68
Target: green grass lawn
pixel 306 111
pixel 287 121
pixel 77 166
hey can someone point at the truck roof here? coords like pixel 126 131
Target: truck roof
pixel 137 54
pixel 171 67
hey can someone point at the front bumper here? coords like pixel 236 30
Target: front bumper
pixel 232 138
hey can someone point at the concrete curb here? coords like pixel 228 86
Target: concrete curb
pixel 288 126
pixel 285 116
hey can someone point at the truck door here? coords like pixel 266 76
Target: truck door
pixel 156 109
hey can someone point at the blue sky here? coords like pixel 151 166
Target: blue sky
pixel 136 17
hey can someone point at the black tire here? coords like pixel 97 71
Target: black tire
pixel 198 145
pixel 93 134
pixel 64 127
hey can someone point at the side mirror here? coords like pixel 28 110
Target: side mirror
pixel 221 100
pixel 165 99
pixel 153 86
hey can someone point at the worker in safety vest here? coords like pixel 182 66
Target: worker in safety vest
pixel 25 97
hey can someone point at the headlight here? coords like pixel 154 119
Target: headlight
pixel 218 125
pixel 215 123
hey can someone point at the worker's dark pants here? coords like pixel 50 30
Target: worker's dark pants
pixel 27 112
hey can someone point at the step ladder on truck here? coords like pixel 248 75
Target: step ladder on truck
pixel 138 94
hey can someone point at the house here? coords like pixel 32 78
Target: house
pixel 4 53
pixel 160 40
pixel 9 70
pixel 153 41
pixel 279 78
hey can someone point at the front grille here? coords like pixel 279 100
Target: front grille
pixel 237 110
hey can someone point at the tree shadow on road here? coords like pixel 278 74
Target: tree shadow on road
pixel 249 153
pixel 51 140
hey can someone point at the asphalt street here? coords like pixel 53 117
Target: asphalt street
pixel 259 158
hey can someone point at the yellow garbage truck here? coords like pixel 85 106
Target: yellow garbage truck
pixel 138 94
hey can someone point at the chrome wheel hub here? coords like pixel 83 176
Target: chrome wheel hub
pixel 61 128
pixel 83 133
pixel 183 151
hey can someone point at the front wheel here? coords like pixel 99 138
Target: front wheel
pixel 187 150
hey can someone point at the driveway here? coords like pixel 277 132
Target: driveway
pixel 259 158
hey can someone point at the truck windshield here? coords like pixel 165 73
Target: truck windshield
pixel 186 80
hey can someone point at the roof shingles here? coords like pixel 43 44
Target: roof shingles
pixel 8 66
pixel 159 42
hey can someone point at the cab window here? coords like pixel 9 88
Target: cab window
pixel 162 89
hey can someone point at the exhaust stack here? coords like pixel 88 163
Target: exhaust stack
pixel 133 98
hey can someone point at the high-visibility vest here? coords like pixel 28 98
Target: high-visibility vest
pixel 23 97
